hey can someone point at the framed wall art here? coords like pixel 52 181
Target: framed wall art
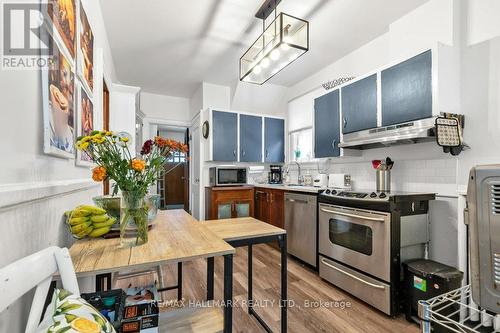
pixel 85 57
pixel 85 121
pixel 63 14
pixel 58 89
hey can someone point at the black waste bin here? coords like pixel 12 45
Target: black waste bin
pixel 425 279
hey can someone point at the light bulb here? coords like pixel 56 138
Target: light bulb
pixel 275 54
pixel 264 62
pixel 257 69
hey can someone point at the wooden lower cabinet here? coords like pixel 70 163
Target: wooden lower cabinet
pixel 270 206
pixel 229 202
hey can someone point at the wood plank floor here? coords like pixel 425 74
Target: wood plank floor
pixel 304 288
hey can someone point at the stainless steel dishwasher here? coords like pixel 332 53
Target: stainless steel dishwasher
pixel 300 225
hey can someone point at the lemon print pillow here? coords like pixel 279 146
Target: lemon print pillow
pixel 68 313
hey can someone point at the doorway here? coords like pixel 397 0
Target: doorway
pixel 173 187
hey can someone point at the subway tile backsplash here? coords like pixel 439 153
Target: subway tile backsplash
pixel 436 175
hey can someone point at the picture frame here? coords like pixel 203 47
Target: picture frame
pixel 58 98
pixel 85 51
pixel 85 121
pixel 63 15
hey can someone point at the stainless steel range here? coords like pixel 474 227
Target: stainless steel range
pixel 364 237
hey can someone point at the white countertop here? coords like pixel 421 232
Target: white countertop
pixel 308 189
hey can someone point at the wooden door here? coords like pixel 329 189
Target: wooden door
pixel 277 208
pixel 174 183
pixel 186 174
pixel 262 204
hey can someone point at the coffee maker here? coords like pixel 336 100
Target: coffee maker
pixel 275 175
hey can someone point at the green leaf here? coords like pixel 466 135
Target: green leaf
pixel 70 317
pixel 64 329
pixel 70 307
pixel 63 294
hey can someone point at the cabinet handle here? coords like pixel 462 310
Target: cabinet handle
pixel 345 122
pixel 234 153
pixel 333 143
pixel 271 198
pixel 267 153
pixel 243 153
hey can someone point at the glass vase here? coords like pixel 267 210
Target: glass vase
pixel 134 219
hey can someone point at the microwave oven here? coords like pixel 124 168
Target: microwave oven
pixel 227 176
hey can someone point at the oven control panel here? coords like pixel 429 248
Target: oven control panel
pixel 355 195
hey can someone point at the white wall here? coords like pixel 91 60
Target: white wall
pixel 35 189
pixel 165 107
pixel 122 111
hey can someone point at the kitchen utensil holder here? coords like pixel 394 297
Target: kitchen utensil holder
pixel 383 180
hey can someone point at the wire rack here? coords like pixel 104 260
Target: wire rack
pixel 457 312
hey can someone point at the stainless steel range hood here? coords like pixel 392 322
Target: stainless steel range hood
pixel 411 132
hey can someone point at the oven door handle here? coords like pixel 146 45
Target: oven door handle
pixel 352 276
pixel 377 219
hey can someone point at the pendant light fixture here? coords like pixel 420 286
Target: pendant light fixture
pixel 284 40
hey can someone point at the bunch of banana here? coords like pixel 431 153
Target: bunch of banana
pixel 89 221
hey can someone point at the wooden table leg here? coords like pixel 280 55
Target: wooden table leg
pixel 284 292
pixel 210 279
pixel 228 293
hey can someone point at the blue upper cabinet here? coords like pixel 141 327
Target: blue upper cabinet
pixel 274 140
pixel 407 90
pixel 225 136
pixel 250 138
pixel 327 125
pixel 359 105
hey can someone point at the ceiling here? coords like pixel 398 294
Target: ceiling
pixel 170 46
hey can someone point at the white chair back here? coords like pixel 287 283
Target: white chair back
pixel 37 271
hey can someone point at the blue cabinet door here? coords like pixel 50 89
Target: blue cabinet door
pixel 250 138
pixel 274 140
pixel 327 125
pixel 225 140
pixel 407 90
pixel 359 105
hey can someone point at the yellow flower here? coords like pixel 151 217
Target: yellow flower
pixel 84 145
pixel 86 139
pixel 97 138
pixel 108 133
pixel 125 139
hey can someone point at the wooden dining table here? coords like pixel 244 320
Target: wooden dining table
pixel 176 237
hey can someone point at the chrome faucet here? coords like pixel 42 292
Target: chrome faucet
pixel 300 177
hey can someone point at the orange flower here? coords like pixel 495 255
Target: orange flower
pixel 138 165
pixel 99 174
